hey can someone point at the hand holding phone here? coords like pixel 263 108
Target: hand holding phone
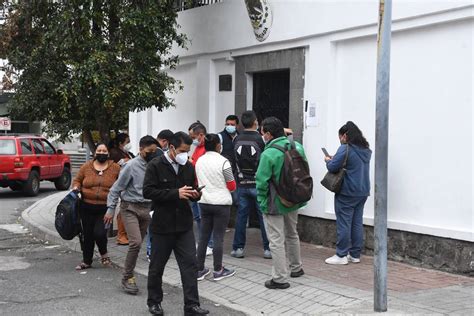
pixel 200 188
pixel 325 152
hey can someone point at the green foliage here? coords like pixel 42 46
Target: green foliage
pixel 84 65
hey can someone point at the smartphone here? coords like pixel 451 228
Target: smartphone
pixel 107 226
pixel 325 152
pixel 200 188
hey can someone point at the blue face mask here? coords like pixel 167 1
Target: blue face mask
pixel 196 142
pixel 230 129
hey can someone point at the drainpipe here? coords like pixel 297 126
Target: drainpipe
pixel 381 155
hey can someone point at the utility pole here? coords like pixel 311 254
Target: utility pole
pixel 381 154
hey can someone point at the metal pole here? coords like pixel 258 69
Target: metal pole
pixel 381 154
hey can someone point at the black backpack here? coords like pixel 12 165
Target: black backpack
pixel 247 156
pixel 67 221
pixel 295 185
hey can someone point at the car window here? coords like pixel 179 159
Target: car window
pixel 26 147
pixel 38 146
pixel 7 147
pixel 48 148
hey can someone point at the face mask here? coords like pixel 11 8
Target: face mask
pixel 127 147
pixel 196 142
pixel 165 149
pixel 149 156
pixel 101 157
pixel 181 158
pixel 230 129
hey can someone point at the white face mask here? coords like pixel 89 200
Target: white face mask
pixel 181 158
pixel 127 147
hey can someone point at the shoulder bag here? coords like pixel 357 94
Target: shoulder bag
pixel 333 181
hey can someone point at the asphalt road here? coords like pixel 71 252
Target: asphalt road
pixel 38 278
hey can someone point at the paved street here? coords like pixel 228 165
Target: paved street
pixel 323 289
pixel 38 277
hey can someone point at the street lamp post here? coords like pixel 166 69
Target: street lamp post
pixel 381 155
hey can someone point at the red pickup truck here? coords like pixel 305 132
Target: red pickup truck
pixel 26 160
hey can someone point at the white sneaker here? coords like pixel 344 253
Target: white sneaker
pixel 352 259
pixel 209 251
pixel 336 260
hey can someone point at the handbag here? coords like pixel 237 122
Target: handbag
pixel 333 181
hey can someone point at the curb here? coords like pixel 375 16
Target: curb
pixel 47 234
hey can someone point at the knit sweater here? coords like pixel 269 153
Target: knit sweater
pixel 214 171
pixel 95 187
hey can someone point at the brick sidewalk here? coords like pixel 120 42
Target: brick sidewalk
pixel 324 288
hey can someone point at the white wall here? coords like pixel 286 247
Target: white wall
pixel 431 117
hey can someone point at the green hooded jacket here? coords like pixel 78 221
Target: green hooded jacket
pixel 269 167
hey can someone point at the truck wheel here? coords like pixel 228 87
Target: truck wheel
pixel 32 185
pixel 64 181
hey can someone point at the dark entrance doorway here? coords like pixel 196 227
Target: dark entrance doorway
pixel 271 95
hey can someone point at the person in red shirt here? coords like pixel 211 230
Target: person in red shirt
pixel 198 132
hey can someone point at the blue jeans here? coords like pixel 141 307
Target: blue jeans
pixel 148 241
pixel 350 230
pixel 197 217
pixel 247 200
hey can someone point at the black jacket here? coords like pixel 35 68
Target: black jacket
pixel 228 147
pixel 161 185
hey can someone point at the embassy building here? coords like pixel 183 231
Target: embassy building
pixel 313 65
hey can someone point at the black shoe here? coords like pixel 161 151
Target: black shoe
pixel 276 286
pixel 195 310
pixel 156 309
pixel 297 273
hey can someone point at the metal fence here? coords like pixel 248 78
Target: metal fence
pixel 182 5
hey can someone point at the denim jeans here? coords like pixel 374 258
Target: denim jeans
pixel 148 241
pixel 197 218
pixel 349 226
pixel 247 200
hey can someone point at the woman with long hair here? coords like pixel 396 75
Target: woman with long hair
pixel 349 202
pixel 94 180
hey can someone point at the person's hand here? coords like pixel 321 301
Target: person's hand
pixel 326 159
pixel 185 193
pixel 75 189
pixel 108 218
pixel 196 194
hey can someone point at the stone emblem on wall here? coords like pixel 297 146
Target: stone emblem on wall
pixel 261 17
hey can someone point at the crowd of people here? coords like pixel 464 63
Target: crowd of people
pixel 159 194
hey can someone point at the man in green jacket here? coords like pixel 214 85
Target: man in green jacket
pixel 280 221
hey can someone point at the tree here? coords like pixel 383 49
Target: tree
pixel 83 65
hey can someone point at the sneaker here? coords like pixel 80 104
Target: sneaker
pixel 203 273
pixel 297 274
pixel 209 251
pixel 195 310
pixel 148 254
pixel 224 273
pixel 272 285
pixel 336 260
pixel 237 253
pixel 267 254
pixel 130 286
pixel 352 259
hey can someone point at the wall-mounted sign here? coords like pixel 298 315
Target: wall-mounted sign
pixel 225 83
pixel 261 17
pixel 5 124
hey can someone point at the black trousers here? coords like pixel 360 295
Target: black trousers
pixel 214 220
pixel 93 229
pixel 184 247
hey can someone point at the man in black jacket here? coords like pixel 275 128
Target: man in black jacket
pixel 169 182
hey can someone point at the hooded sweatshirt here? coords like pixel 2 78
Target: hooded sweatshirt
pixel 356 180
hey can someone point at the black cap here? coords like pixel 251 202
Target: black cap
pixel 166 134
